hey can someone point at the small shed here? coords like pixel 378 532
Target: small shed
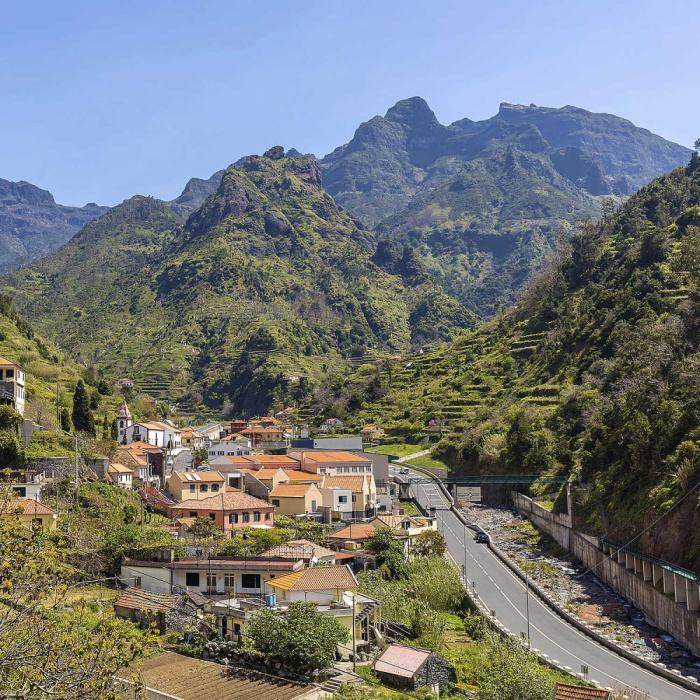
pixel 171 613
pixel 412 668
pixel 563 691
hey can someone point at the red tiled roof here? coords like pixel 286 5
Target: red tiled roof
pixel 562 691
pixel 399 660
pixel 228 500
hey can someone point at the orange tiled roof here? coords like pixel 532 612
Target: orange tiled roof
pixel 229 501
pixel 290 490
pixel 198 476
pixel 562 691
pixel 354 483
pixel 361 531
pixel 27 506
pixel 273 459
pixel 317 578
pixel 264 473
pixel 335 457
pixel 239 460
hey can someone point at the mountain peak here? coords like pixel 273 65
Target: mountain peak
pixel 413 112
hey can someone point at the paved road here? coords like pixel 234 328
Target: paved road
pixel 182 463
pixel 505 593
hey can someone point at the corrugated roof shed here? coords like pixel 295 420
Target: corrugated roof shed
pixel 564 691
pixel 139 599
pixel 401 661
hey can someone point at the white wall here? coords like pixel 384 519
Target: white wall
pixel 153 578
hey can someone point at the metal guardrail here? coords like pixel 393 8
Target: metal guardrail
pixel 661 563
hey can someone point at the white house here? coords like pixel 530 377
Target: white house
pixel 12 385
pixel 157 434
pixel 339 500
pixel 232 446
pixel 120 476
pixel 331 425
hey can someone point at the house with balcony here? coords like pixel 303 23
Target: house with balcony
pixel 195 485
pixel 363 493
pixel 371 433
pixel 331 425
pixel 218 577
pixel 154 433
pixel 12 385
pixel 265 438
pixel 120 476
pixel 231 446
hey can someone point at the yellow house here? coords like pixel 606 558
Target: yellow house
pixel 370 433
pixel 31 513
pixel 120 475
pixel 296 499
pixel 269 477
pixel 407 527
pixel 335 591
pixel 195 485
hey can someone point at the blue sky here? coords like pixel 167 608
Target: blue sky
pixel 101 101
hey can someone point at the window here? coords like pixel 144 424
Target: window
pixel 276 502
pixel 211 580
pixel 9 374
pixel 212 516
pixel 246 517
pixel 220 453
pixel 354 498
pixel 137 582
pixel 313 506
pixel 250 581
pixel 322 470
pixel 236 628
pixel 193 514
pixel 256 516
pixel 203 488
pixel 192 578
pixel 233 518
pixel 267 516
pixel 215 487
pixel 121 423
pixel 342 499
pixel 229 581
pixel 20 491
pixel 193 488
pixel 354 469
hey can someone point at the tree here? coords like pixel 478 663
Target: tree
pixel 201 455
pixel 130 513
pixel 66 423
pixel 388 551
pixel 430 543
pixel 114 430
pixel 9 419
pixel 205 528
pixel 48 648
pixel 303 639
pixel 104 388
pixel 83 420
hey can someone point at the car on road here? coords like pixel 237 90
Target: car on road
pixel 481 537
pixel 170 462
pixel 203 468
pixel 403 471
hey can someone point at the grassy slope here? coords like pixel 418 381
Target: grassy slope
pixel 594 374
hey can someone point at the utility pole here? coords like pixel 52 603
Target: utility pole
pixel 354 635
pixel 77 472
pixel 465 558
pixel 58 409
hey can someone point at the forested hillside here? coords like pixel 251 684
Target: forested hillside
pixel 268 278
pixel 595 373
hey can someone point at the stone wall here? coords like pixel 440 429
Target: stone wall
pixel 661 610
pixel 558 527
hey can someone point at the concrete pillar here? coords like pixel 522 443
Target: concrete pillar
pixel 647 570
pixel 620 557
pixel 669 583
pixel 692 593
pixel 656 574
pixel 606 549
pixel 679 585
pixel 638 565
pixel 629 561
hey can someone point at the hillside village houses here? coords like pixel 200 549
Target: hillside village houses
pixel 195 485
pixel 331 425
pixel 12 385
pixel 120 475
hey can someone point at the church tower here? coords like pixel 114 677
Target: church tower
pixel 123 421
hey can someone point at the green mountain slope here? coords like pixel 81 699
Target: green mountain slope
pixel 596 373
pixel 267 279
pixel 483 231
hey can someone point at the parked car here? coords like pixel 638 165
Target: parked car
pixel 404 471
pixel 481 537
pixel 203 468
pixel 170 462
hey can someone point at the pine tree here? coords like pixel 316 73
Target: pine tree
pixel 115 430
pixel 83 420
pixel 66 423
pixel 105 428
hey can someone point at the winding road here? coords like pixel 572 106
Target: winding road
pixel 503 592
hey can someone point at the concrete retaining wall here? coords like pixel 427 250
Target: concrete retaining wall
pixel 661 610
pixel 558 527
